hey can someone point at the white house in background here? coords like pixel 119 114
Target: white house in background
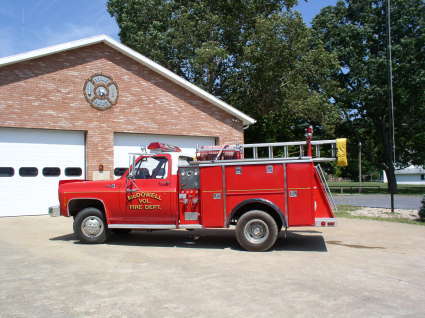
pixel 409 175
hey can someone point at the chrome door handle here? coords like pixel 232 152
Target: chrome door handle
pixel 164 183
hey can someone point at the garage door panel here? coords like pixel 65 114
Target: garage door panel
pixel 125 143
pixel 32 195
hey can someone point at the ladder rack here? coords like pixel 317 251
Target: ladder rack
pixel 282 150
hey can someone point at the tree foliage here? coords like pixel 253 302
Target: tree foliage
pixel 356 32
pixel 257 55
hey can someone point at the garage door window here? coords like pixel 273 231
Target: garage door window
pixel 7 172
pixel 51 172
pixel 73 172
pixel 28 172
pixel 118 172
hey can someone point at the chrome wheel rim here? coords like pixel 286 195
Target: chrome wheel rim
pixel 256 231
pixel 92 226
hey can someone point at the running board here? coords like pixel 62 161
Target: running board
pixel 190 226
pixel 325 222
pixel 143 226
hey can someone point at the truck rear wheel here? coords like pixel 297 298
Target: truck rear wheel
pixel 256 231
pixel 90 226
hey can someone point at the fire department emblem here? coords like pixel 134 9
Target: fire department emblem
pixel 101 91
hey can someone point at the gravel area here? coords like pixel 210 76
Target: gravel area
pixel 386 213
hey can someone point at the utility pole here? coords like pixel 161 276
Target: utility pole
pixel 360 166
pixel 390 97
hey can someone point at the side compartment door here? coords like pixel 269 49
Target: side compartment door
pixel 299 178
pixel 212 196
pixel 148 197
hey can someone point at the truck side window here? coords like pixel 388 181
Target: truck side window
pixel 152 168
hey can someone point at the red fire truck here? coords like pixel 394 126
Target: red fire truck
pixel 258 188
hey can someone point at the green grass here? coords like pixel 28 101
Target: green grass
pixel 344 212
pixel 375 187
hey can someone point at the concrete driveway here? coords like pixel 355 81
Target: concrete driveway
pixel 358 269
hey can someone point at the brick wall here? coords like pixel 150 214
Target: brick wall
pixel 48 93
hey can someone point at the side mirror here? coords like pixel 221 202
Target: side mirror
pixel 131 171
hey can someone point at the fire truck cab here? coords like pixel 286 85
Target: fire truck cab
pixel 165 189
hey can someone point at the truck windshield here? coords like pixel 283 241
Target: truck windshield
pixel 151 168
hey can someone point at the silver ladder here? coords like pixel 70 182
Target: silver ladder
pixel 327 191
pixel 287 150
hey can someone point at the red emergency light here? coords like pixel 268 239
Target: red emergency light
pixel 161 147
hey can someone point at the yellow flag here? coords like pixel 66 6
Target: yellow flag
pixel 341 152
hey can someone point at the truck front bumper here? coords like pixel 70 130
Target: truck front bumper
pixel 54 211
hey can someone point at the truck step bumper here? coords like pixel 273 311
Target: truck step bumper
pixel 54 211
pixel 325 222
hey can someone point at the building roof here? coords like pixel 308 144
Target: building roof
pixel 246 120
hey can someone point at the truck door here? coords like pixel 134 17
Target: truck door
pixel 149 194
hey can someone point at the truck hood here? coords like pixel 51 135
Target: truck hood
pixel 83 185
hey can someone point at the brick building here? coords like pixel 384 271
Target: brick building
pixel 76 110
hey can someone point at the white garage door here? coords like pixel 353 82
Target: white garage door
pixel 124 144
pixel 32 162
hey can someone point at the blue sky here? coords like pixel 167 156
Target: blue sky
pixel 32 24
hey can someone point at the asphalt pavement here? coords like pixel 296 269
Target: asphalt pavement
pixel 411 202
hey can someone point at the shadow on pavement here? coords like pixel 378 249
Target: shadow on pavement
pixel 66 237
pixel 209 239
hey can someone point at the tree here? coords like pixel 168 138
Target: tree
pixel 257 55
pixel 356 32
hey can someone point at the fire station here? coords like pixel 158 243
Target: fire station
pixel 78 109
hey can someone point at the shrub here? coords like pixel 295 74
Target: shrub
pixel 422 210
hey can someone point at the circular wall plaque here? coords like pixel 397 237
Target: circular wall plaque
pixel 101 91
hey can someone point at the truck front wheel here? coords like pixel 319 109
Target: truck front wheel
pixel 90 226
pixel 256 231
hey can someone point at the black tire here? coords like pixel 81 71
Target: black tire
pixel 256 231
pixel 121 232
pixel 91 220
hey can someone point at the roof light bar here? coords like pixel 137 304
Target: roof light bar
pixel 161 147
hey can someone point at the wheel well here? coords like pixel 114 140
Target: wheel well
pixel 256 206
pixel 76 205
